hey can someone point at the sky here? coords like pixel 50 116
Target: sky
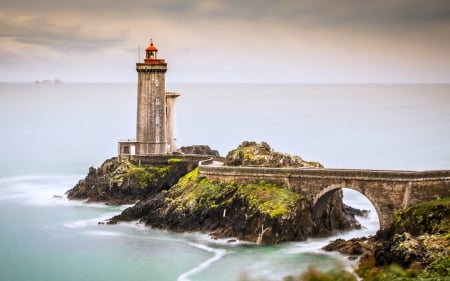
pixel 233 41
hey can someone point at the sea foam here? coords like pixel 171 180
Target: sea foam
pixel 218 254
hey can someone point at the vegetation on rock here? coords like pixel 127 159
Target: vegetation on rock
pixel 427 217
pixel 261 212
pixel 119 181
pixel 271 200
pixel 250 153
pixel 415 247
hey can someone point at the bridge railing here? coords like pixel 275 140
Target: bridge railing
pixel 361 174
pixel 206 162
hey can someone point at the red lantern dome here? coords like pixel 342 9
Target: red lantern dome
pixel 151 54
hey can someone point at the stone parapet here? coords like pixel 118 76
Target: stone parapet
pixel 153 67
pixel 344 174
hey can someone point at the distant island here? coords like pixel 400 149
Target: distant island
pixel 54 81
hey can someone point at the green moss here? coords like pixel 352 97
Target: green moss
pixel 192 193
pixel 172 161
pixel 430 217
pixel 269 199
pixel 429 223
pixel 145 176
pixel 200 194
pixel 189 178
pixel 140 176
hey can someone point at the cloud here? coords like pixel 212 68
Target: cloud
pixel 399 11
pixel 236 38
pixel 57 35
pixel 292 15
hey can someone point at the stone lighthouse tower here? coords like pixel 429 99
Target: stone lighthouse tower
pixel 154 126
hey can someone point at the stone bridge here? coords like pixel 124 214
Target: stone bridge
pixel 388 191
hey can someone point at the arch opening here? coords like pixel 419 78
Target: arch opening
pixel 353 200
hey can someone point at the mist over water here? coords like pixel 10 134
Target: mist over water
pixel 51 134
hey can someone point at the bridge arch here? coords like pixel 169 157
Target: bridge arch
pixel 320 200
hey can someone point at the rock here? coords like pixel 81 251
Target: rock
pixel 259 213
pixel 356 212
pixel 334 217
pixel 352 247
pixel 250 153
pixel 92 171
pixel 199 149
pixel 417 240
pixel 118 181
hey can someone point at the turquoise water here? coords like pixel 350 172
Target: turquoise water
pixel 51 134
pixel 50 238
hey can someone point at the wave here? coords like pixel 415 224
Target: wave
pixel 205 238
pixel 218 254
pixel 90 222
pixel 36 189
pixel 104 233
pixel 45 190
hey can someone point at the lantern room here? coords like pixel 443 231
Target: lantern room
pixel 151 54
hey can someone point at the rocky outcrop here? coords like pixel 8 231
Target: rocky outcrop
pixel 262 213
pixel 419 236
pixel 252 212
pixel 250 153
pixel 199 150
pixel 416 245
pixel 353 247
pixel 119 181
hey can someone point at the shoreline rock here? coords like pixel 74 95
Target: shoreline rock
pixel 247 212
pixel 352 248
pixel 416 246
pixel 119 181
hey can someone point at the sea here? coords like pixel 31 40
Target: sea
pixel 52 134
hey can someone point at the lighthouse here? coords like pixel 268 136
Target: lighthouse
pixel 155 117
